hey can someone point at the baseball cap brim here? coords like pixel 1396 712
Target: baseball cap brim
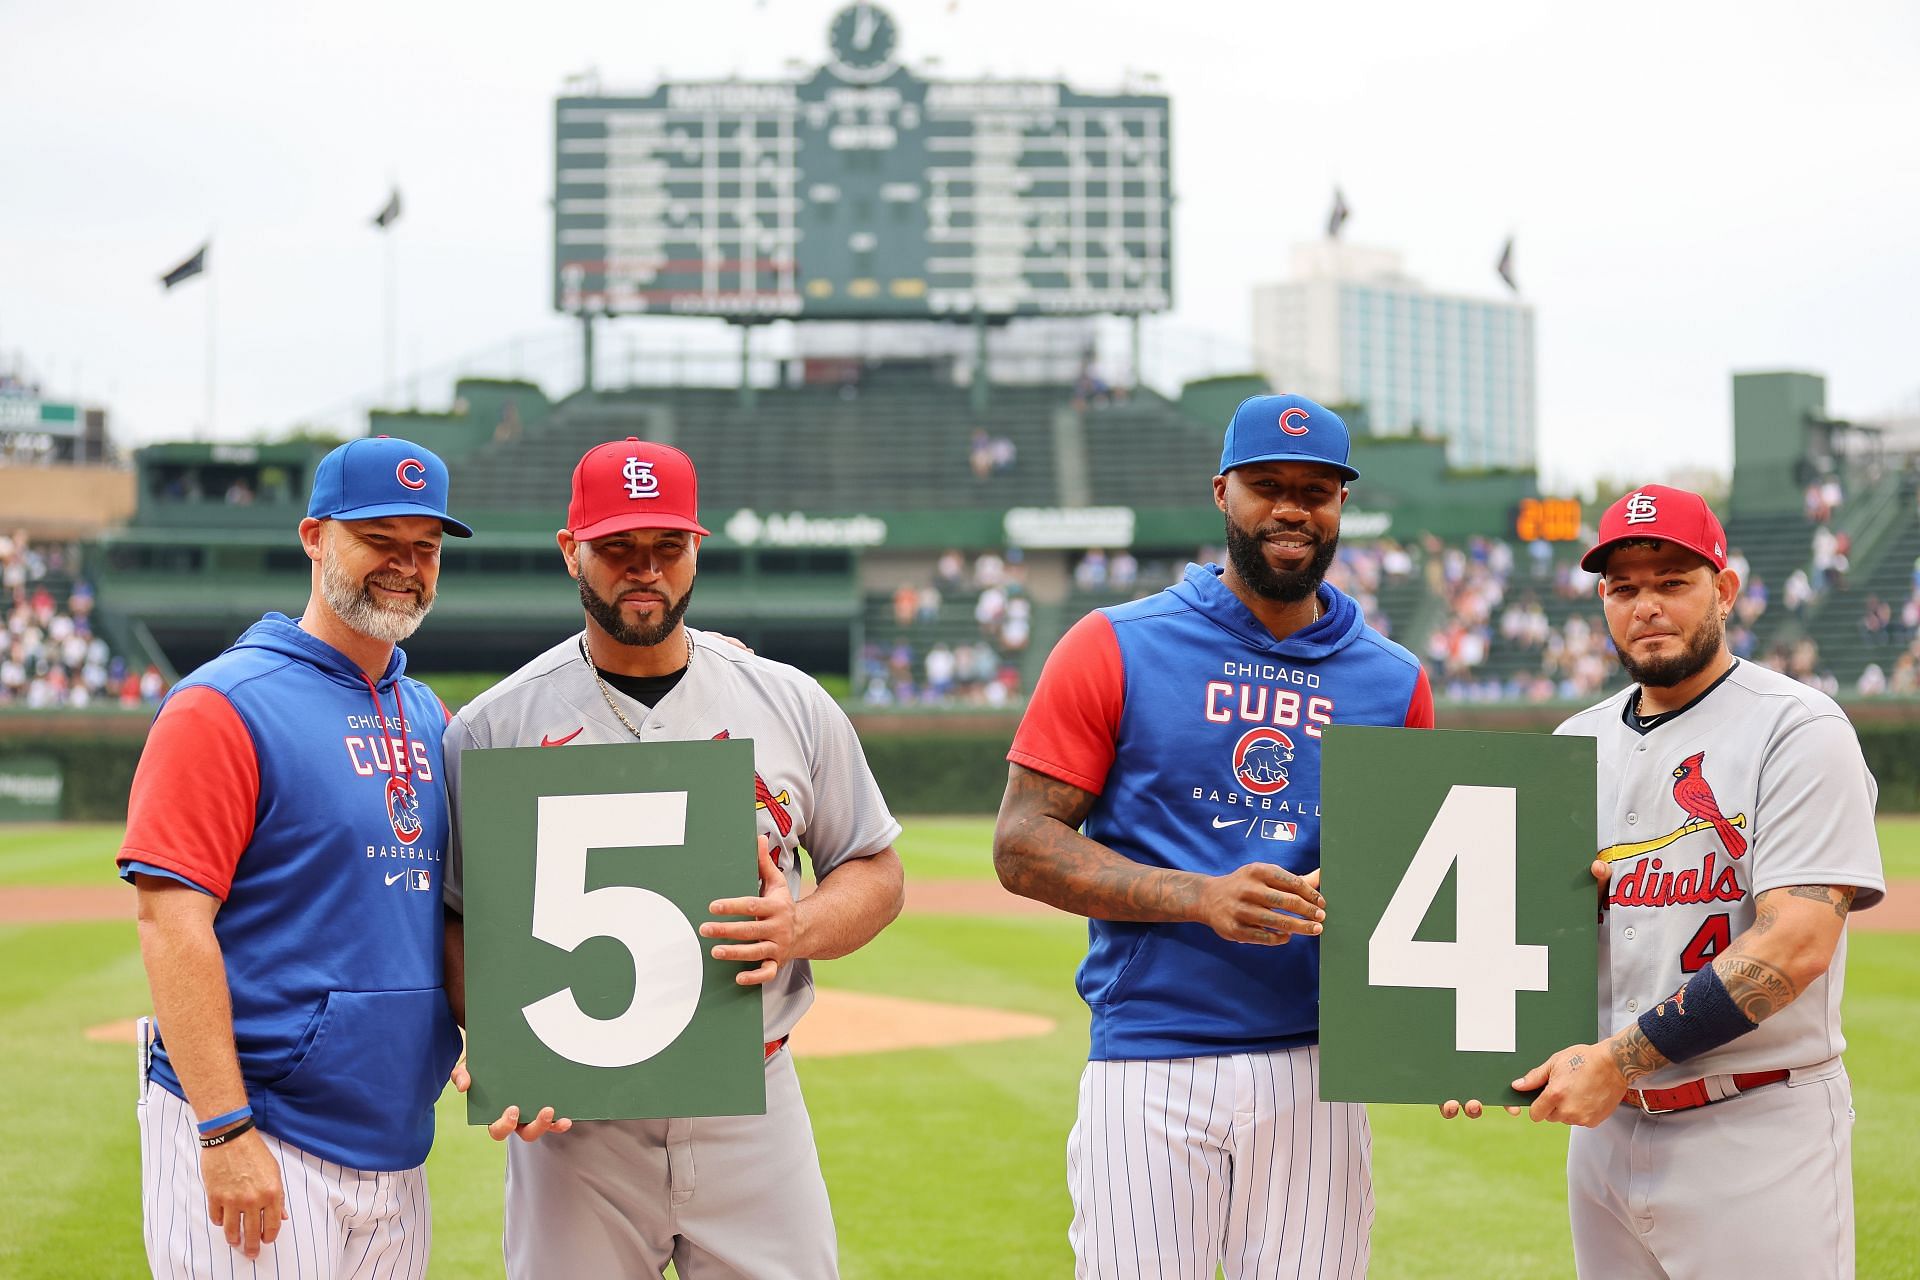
pixel 1315 459
pixel 379 509
pixel 1595 561
pixel 627 521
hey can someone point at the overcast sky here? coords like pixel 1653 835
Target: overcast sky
pixel 1694 188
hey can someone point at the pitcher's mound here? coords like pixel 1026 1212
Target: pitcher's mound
pixel 844 1022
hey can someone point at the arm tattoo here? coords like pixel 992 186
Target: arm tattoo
pixel 1838 896
pixel 1040 853
pixel 1765 915
pixel 1759 990
pixel 1635 1055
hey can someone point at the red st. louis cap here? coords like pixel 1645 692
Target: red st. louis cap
pixel 1668 514
pixel 633 484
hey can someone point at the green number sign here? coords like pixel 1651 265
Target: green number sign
pixel 1460 947
pixel 587 873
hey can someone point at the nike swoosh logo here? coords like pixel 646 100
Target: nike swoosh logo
pixel 396 875
pixel 560 742
pixel 1217 824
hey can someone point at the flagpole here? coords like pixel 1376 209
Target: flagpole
pixel 393 317
pixel 210 366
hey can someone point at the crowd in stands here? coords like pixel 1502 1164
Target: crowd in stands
pixel 981 670
pixel 50 655
pixel 1493 612
pixel 1892 635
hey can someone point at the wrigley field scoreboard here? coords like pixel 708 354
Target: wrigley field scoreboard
pixel 862 192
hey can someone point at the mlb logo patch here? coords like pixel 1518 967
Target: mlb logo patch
pixel 421 878
pixel 1274 829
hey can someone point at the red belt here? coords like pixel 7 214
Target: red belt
pixel 773 1047
pixel 1695 1093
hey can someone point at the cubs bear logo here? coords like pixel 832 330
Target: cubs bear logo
pixel 403 810
pixel 1260 760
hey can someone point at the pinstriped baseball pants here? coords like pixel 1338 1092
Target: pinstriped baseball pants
pixel 1179 1165
pixel 343 1224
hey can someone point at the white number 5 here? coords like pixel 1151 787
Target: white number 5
pixel 1477 828
pixel 662 941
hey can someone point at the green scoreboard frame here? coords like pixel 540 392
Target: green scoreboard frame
pixel 862 192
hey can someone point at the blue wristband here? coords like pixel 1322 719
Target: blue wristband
pixel 1698 1017
pixel 208 1126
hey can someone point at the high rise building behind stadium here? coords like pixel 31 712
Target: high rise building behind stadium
pixel 1351 327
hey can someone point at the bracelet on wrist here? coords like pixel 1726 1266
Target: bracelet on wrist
pixel 222 1139
pixel 240 1112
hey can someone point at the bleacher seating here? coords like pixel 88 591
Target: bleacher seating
pixel 1133 448
pixel 898 443
pixel 1834 619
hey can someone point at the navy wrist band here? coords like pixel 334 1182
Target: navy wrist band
pixel 1698 1017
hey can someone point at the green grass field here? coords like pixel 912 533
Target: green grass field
pixel 941 1162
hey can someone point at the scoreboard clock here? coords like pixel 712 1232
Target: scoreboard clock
pixel 861 42
pixel 862 192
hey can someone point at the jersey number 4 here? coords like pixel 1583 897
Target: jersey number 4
pixel 1476 830
pixel 1709 940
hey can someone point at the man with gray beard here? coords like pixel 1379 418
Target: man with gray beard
pixel 286 833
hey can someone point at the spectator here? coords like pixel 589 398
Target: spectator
pixel 1091 573
pixel 980 454
pixel 990 608
pixel 1798 594
pixel 1123 571
pixel 1876 622
pixel 1018 627
pixel 949 574
pixel 940 671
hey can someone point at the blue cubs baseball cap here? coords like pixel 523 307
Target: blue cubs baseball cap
pixel 1286 429
pixel 382 476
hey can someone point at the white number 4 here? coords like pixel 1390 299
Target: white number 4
pixel 1476 828
pixel 663 943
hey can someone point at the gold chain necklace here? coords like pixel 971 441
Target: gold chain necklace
pixel 607 693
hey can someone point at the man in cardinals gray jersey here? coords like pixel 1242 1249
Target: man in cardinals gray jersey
pixel 729 1196
pixel 1736 814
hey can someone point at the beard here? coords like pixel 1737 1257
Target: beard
pixel 375 617
pixel 607 614
pixel 1288 586
pixel 1699 648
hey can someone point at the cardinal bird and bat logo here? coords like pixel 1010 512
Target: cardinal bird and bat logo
pixel 1695 798
pixel 1691 792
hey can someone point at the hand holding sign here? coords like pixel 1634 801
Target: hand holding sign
pixel 769 935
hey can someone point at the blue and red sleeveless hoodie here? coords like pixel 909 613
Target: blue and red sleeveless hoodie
pixel 309 799
pixel 1200 735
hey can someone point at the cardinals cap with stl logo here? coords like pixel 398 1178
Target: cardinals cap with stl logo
pixel 1660 512
pixel 1286 429
pixel 633 484
pixel 382 476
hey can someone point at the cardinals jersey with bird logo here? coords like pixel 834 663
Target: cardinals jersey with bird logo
pixel 1757 785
